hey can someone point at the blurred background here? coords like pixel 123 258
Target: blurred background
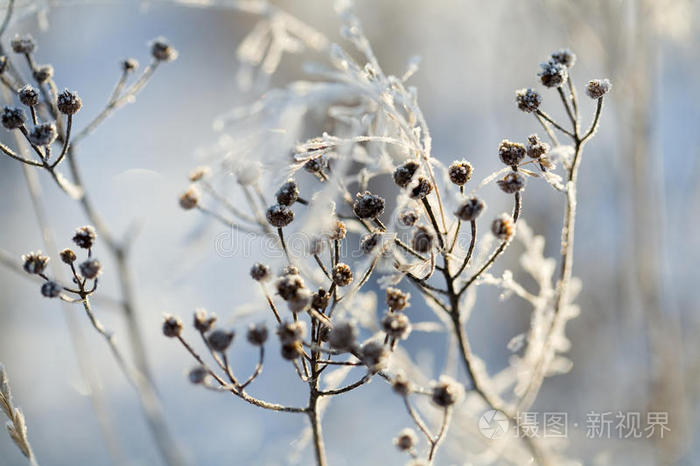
pixel 634 345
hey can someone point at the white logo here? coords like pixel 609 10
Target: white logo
pixel 493 424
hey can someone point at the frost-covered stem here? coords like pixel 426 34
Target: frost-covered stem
pixel 66 141
pixel 569 112
pixel 284 245
pixel 435 443
pixel 468 257
pixel 544 116
pixel 433 221
pixel 313 410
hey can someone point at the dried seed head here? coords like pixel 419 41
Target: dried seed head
pixel 401 384
pixel 564 56
pixel 597 88
pixel 220 339
pixel 172 326
pixel 396 299
pixel 397 325
pixel 291 332
pixel 91 268
pixel 503 227
pixel 129 64
pixel 512 183
pixel 12 117
pixel 511 153
pixel 339 231
pixel 343 335
pixel 43 73
pixel 289 270
pixel 406 440
pixel 460 172
pixel 553 74
pixel 68 256
pixel 43 134
pixel 320 299
pixel 50 289
pixel 374 355
pixel 370 241
pixel 404 173
pixel 342 274
pixel 199 173
pixel 446 392
pixel 85 237
pixel 535 147
pixel 368 205
pixel 68 102
pixel 300 300
pixel 408 217
pixel 423 239
pixel 28 95
pixel 292 351
pixel 260 272
pixel 161 50
pixel 422 188
pixel 289 285
pixel 202 321
pixel 23 44
pixel 257 334
pixel 190 198
pixel 528 100
pixel 34 262
pixel 288 193
pixel 198 375
pixel 316 165
pixel 470 209
pixel 279 216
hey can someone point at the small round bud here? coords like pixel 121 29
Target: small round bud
pixel 68 102
pixel 23 44
pixel 374 355
pixel 43 134
pixel 260 272
pixel 553 74
pixel 300 301
pixel 198 375
pixel 564 56
pixel 129 64
pixel 512 183
pixel 12 117
pixel 342 274
pixel 288 193
pixel 446 392
pixel 190 198
pixel 291 351
pixel 396 299
pixel 460 172
pixel 85 237
pixel 423 240
pixel 289 270
pixel 28 95
pixel 503 227
pixel 50 289
pixel 199 173
pixel 397 325
pixel 528 100
pixel 368 205
pixel 320 299
pixel 511 153
pixel 220 339
pixel 34 262
pixel 422 188
pixel 408 217
pixel 535 147
pixel 90 269
pixel 257 334
pixel 68 256
pixel 289 285
pixel 406 440
pixel 470 209
pixel 404 173
pixel 290 332
pixel 202 321
pixel 316 165
pixel 172 326
pixel 597 88
pixel 43 73
pixel 370 241
pixel 401 384
pixel 161 50
pixel 342 336
pixel 279 216
pixel 339 231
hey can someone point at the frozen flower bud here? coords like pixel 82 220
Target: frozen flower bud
pixel 199 173
pixel 50 289
pixel 320 300
pixel 503 227
pixel 406 440
pixel 408 217
pixel 289 270
pixel 511 153
pixel 535 147
pixel 342 274
pixel 290 332
pixel 292 351
pixel 28 95
pixel 564 56
pixel 460 172
pixel 423 240
pixel 43 73
pixel 190 198
pixel 422 188
pixel 470 209
pixel 172 326
pixel 198 375
pixel 397 325
pixel 85 237
pixel 528 100
pixel 279 216
pixel 161 50
pixel 220 339
pixel 289 285
pixel 404 173
pixel 90 269
pixel 401 384
pixel 288 193
pixel 368 205
pixel 597 88
pixel 396 299
pixel 374 355
pixel 129 64
pixel 316 165
pixel 260 272
pixel 257 334
pixel 512 183
pixel 12 117
pixel 370 241
pixel 68 102
pixel 342 336
pixel 553 74
pixel 43 134
pixel 34 262
pixel 68 256
pixel 202 321
pixel 23 44
pixel 300 300
pixel 338 231
pixel 446 392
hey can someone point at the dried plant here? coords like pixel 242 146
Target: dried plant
pixel 16 426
